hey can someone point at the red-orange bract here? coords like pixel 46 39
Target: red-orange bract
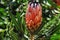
pixel 33 16
pixel 57 2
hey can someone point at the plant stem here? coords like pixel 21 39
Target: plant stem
pixel 31 37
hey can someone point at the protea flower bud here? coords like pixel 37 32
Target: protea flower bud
pixel 33 16
pixel 57 2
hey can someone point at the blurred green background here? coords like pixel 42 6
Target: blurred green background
pixel 12 20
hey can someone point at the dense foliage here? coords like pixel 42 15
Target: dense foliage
pixel 12 20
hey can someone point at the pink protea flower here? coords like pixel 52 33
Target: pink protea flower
pixel 33 16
